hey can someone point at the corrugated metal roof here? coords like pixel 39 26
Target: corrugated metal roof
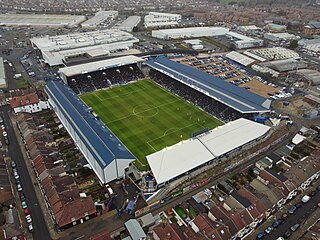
pixel 227 93
pixel 100 141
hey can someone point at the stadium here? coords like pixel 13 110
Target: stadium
pixel 154 114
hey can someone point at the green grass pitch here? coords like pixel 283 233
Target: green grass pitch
pixel 146 118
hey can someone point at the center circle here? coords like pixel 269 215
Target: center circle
pixel 145 110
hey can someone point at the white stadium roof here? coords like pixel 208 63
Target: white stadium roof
pixel 3 81
pixel 187 155
pixel 234 134
pixel 99 65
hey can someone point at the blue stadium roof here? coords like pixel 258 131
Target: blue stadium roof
pixel 100 141
pixel 235 97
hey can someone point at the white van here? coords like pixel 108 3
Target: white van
pixel 305 199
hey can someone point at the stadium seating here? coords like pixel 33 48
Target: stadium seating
pixel 208 104
pixel 104 78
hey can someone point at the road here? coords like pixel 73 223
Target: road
pixel 300 216
pixel 41 230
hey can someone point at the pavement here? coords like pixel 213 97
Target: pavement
pixel 41 230
pixel 303 216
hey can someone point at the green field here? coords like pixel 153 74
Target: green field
pixel 147 118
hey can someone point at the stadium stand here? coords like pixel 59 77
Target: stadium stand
pixel 100 79
pixel 233 96
pixel 107 156
pixel 185 156
pixel 206 103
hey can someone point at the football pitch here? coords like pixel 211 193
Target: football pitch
pixel 147 118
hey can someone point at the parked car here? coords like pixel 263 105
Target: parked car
pixel 19 187
pixel 292 210
pixel 295 227
pixel 16 175
pixel 284 216
pixel 29 219
pixel 277 223
pixel 260 236
pixel 24 204
pixel 22 197
pixel 268 230
pixel 305 199
pixel 298 205
pixel 30 228
pixel 313 193
pixel 13 164
pixel 287 234
pixel 26 211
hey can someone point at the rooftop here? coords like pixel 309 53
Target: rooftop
pixel 194 152
pixel 24 100
pixel 235 97
pixel 104 146
pixel 2 73
pixel 99 65
pixel 41 19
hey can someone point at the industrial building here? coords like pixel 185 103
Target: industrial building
pixel 99 18
pixel 3 79
pixel 41 20
pixel 312 45
pixel 193 32
pixel 275 27
pixel 240 58
pixel 159 19
pixel 312 28
pixel 195 44
pixel 275 53
pixel 128 24
pixel 280 36
pixel 250 29
pixel 285 65
pixel 55 50
pixel 241 41
pixel 188 155
pixel 68 72
pixel 104 152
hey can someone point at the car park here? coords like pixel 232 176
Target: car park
pixel 295 227
pixel 292 210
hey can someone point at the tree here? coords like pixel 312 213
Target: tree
pixel 293 44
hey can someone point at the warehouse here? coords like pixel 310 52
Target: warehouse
pixel 99 18
pixel 41 20
pixel 241 41
pixel 275 53
pixel 128 24
pixel 280 37
pixel 159 19
pixel 191 154
pixel 3 80
pixel 312 45
pixel 56 49
pixel 106 155
pixel 181 33
pixel 240 58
